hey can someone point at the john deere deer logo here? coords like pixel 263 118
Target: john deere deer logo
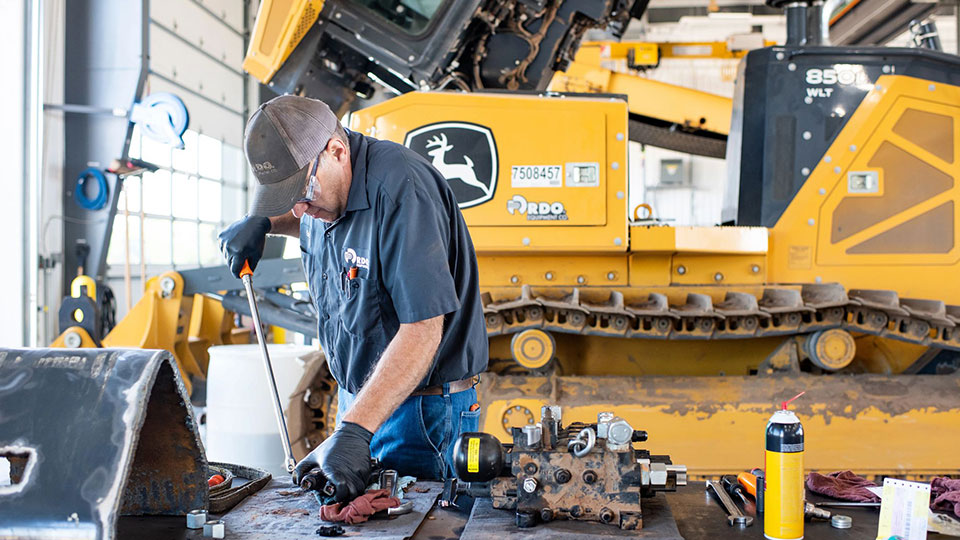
pixel 465 154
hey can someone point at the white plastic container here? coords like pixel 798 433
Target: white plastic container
pixel 241 426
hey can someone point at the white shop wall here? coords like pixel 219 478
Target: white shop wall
pixel 170 219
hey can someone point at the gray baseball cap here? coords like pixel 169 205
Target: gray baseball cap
pixel 281 139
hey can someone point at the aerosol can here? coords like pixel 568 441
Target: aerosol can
pixel 784 489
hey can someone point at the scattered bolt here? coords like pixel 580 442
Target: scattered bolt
pixel 589 476
pixel 514 279
pixel 681 269
pixel 581 280
pixel 215 528
pixel 611 276
pixel 755 269
pixel 718 276
pixel 562 476
pixel 530 468
pixel 549 276
pixel 530 485
pixel 196 518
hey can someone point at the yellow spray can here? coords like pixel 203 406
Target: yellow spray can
pixel 783 489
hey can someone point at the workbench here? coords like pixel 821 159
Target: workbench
pixel 698 517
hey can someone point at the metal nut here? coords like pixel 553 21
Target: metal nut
pixel 589 477
pixel 606 515
pixel 530 485
pixel 72 340
pixel 841 522
pixel 658 474
pixel 562 476
pixel 533 434
pixel 167 285
pixel 215 528
pixel 619 432
pixel 196 518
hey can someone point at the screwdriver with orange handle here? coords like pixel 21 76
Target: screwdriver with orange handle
pixel 752 483
pixel 246 276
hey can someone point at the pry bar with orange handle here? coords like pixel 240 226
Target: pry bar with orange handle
pixel 246 276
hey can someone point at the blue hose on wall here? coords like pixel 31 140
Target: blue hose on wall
pixel 80 195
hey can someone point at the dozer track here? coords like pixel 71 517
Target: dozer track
pixel 781 311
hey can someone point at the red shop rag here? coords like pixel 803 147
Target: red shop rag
pixel 843 485
pixel 945 495
pixel 360 509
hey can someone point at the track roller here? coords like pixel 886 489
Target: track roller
pixel 533 348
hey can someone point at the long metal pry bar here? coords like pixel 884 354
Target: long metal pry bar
pixel 246 275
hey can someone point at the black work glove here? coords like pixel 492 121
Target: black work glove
pixel 243 241
pixel 344 460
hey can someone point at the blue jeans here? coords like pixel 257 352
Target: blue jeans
pixel 418 438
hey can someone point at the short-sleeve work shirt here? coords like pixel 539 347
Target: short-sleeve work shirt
pixel 405 242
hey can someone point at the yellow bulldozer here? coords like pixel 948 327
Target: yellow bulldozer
pixel 836 277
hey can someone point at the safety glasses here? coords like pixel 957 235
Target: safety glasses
pixel 313 186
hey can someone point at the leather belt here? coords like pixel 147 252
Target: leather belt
pixel 455 386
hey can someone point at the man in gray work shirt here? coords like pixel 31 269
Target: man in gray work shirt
pixel 393 273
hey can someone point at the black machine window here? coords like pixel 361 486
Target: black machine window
pixel 412 16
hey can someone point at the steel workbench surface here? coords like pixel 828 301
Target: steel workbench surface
pixel 698 516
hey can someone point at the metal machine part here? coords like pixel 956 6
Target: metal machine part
pixel 214 528
pixel 924 34
pixel 314 480
pixel 566 472
pixel 390 482
pixel 196 518
pixel 846 504
pixel 92 435
pixel 343 50
pixel 839 521
pixel 735 516
pixel 812 511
